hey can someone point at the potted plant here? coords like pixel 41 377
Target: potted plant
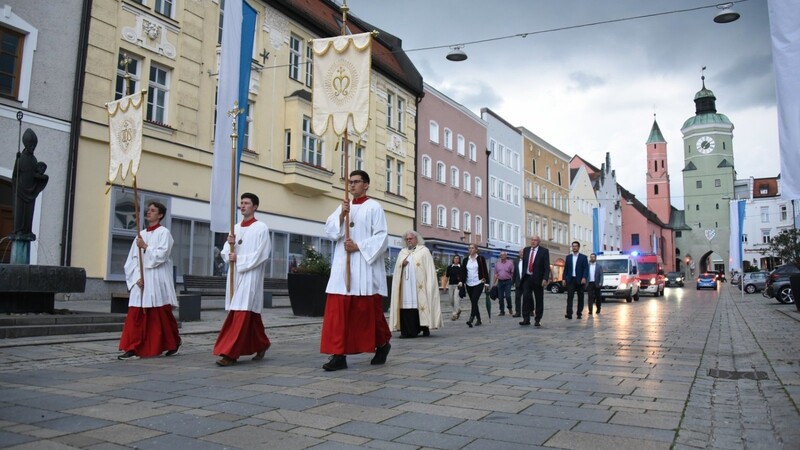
pixel 307 283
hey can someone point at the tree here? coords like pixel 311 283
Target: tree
pixel 785 246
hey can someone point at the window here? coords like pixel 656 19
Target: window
pixel 295 56
pixel 493 186
pixel 441 176
pixel 426 213
pixel 221 17
pixel 492 229
pixel 473 152
pixel 455 218
pixel 359 157
pixel 699 184
pixel 401 167
pixel 454 176
pixel 460 143
pixel 501 228
pixel 134 67
pixel 309 66
pixel 478 187
pixel 717 182
pixel 507 159
pixel 635 239
pixel 492 145
pixel 467 222
pixel 312 145
pixel 515 197
pixel 547 172
pixel 401 118
pixel 467 182
pixel 358 154
pixel 249 143
pixel 536 191
pixel 765 214
pixel 192 251
pixel 441 216
pixel 448 139
pixel 784 212
pixel 16 57
pixel 287 139
pixel 533 166
pixel 479 225
pixel 164 7
pixel 501 189
pixel 717 205
pixel 434 132
pixel 158 94
pixel 426 166
pixel 765 237
pixel 744 238
pixel 389 173
pixel 655 189
pixel 389 109
pixel 697 207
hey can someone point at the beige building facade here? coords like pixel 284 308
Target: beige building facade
pixel 298 176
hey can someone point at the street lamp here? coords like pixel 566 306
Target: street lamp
pixel 457 54
pixel 726 14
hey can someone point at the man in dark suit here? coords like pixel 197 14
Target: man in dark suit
pixel 536 267
pixel 517 283
pixel 576 272
pixel 594 282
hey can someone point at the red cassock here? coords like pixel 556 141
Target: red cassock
pixel 149 331
pixel 353 324
pixel 242 334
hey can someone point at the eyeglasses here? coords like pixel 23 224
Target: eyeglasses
pixel 354 181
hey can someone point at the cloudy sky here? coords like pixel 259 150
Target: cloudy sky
pixel 593 90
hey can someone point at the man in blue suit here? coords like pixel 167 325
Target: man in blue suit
pixel 576 272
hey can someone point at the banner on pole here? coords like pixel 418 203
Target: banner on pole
pixel 125 119
pixel 342 69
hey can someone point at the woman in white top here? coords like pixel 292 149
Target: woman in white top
pixel 474 274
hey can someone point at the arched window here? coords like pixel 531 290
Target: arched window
pixel 434 132
pixel 467 182
pixel 441 172
pixel 426 166
pixel 655 189
pixel 441 216
pixel 467 222
pixel 454 179
pixel 448 139
pixel 461 148
pixel 478 225
pixel 455 218
pixel 478 187
pixel 426 213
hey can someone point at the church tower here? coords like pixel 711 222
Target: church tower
pixel 708 179
pixel 658 196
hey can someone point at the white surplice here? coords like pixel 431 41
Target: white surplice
pixel 367 267
pixel 159 288
pixel 416 284
pixel 252 251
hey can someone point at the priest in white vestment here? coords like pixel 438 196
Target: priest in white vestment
pixel 416 304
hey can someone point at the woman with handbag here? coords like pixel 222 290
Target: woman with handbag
pixel 453 275
pixel 474 274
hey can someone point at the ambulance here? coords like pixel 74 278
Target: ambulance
pixel 620 278
pixel 651 274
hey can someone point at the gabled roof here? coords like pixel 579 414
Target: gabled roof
pixel 640 207
pixel 655 134
pixel 322 17
pixel 677 219
pixel 689 167
pixel 724 163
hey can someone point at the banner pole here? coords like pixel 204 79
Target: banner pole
pixel 234 115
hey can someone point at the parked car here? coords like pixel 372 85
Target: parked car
pixel 754 282
pixel 674 279
pixel 555 287
pixel 707 280
pixel 736 278
pixel 778 286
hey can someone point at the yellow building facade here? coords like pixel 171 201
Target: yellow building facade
pixel 546 180
pixel 298 176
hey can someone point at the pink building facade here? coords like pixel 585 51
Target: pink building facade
pixel 451 178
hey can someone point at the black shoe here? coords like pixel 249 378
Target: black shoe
pixel 469 323
pixel 174 351
pixel 426 332
pixel 525 322
pixel 380 354
pixel 598 311
pixel 515 315
pixel 478 323
pixel 127 355
pixel 336 362
pixel 568 316
pixel 590 313
pixel 579 316
pixel 502 313
pixel 537 324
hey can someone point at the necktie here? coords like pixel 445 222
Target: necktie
pixel 530 260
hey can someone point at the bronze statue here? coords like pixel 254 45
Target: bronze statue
pixel 28 181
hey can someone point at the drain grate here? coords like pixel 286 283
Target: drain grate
pixel 735 375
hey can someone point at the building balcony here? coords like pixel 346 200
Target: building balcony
pixel 306 179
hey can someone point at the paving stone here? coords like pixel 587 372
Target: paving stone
pixel 75 423
pixel 439 410
pixel 371 430
pixel 608 429
pixel 258 437
pixel 122 434
pixel 663 421
pixel 423 422
pixel 8 439
pixel 355 412
pixel 502 432
pixel 115 412
pixel 304 419
pixel 24 414
pixel 434 440
pixel 563 412
pixel 184 424
pixel 174 441
pixel 580 441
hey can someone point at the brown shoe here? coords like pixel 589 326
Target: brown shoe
pixel 225 361
pixel 260 355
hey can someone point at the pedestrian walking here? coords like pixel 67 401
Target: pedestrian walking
pixel 576 271
pixel 415 304
pixel 474 274
pixel 595 282
pixel 453 274
pixel 503 279
pixel 536 262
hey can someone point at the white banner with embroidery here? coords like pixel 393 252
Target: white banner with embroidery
pixel 125 129
pixel 342 67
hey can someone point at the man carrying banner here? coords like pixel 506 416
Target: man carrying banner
pixel 354 321
pixel 247 250
pixel 150 327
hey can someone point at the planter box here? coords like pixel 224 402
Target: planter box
pixel 307 294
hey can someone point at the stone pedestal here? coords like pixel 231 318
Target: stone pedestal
pixel 31 289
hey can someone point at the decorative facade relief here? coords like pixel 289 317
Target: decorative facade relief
pixel 277 27
pixel 395 144
pixel 149 33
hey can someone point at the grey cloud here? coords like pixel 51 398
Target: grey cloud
pixel 582 81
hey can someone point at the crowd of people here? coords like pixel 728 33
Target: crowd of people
pixel 354 321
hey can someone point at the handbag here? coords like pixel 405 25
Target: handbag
pixel 493 293
pixel 462 292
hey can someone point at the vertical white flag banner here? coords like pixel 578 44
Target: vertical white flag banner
pixel 125 121
pixel 342 68
pixel 784 18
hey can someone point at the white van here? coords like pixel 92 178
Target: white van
pixel 619 276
